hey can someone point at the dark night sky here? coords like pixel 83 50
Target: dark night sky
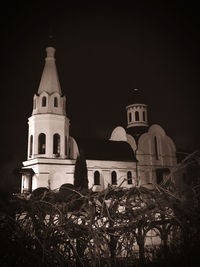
pixel 103 50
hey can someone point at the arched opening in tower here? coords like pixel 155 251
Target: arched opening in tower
pixel 56 144
pixel 42 143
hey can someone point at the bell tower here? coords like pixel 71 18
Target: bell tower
pixel 48 135
pixel 51 151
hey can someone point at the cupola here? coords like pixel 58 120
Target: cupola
pixel 136 110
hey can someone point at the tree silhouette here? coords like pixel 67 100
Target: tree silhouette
pixel 81 173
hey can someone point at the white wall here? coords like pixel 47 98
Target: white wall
pixel 53 173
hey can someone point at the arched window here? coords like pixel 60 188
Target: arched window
pixel 130 117
pixel 96 178
pixel 156 147
pixel 144 117
pixel 56 144
pixel 55 102
pixel 44 101
pixel 113 178
pixel 41 143
pixel 129 177
pixel 31 146
pixel 136 116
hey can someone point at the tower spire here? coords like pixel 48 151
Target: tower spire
pixel 49 81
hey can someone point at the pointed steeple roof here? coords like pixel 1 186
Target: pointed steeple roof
pixel 49 81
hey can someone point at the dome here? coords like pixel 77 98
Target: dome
pixel 135 96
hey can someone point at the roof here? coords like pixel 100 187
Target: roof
pixel 106 150
pixel 49 80
pixel 135 97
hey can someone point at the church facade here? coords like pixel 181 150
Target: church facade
pixel 133 156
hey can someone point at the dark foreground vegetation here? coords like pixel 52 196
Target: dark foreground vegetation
pixel 115 227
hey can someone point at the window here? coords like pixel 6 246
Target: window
pixel 31 146
pixel 41 143
pixel 55 102
pixel 44 101
pixel 130 117
pixel 56 144
pixel 96 178
pixel 129 177
pixel 156 147
pixel 144 119
pixel 34 103
pixel 113 178
pixel 137 116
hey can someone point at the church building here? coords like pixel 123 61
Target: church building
pixel 138 155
